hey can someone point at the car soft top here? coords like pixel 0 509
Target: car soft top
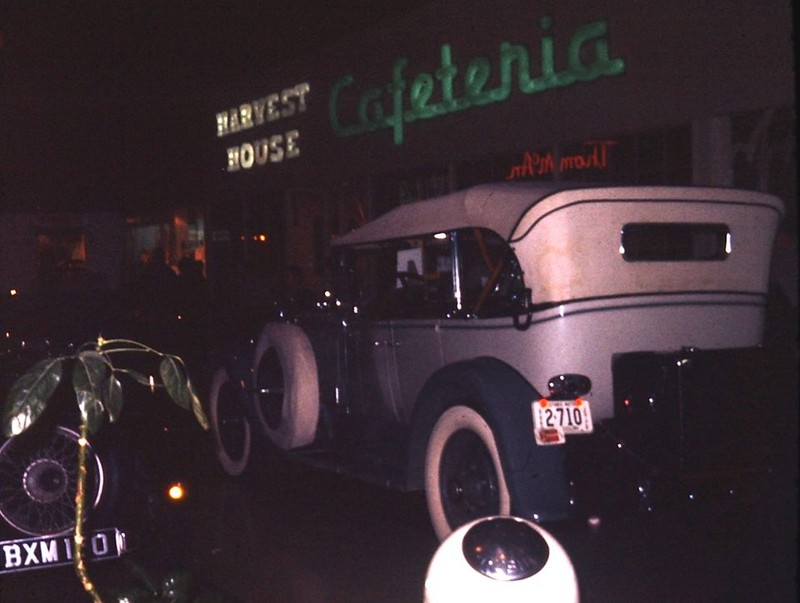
pixel 501 207
pixel 497 207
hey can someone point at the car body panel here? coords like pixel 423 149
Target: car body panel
pixel 484 296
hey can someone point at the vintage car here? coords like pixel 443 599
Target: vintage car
pixel 127 476
pixel 541 350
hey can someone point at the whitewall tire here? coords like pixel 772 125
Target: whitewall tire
pixel 463 475
pixel 286 397
pixel 229 424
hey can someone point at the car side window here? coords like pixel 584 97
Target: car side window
pixel 405 278
pixel 414 277
pixel 491 279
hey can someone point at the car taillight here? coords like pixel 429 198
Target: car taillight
pixel 569 386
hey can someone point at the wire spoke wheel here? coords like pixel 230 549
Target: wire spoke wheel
pixel 38 481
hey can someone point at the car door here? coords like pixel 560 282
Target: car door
pixel 405 289
pixel 369 382
pixel 373 369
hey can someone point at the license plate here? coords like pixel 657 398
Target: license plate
pixel 49 551
pixel 553 420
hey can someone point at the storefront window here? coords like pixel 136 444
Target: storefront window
pixel 59 252
pixel 765 154
pixel 410 186
pixel 664 157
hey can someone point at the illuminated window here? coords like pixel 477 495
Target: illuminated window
pixel 59 251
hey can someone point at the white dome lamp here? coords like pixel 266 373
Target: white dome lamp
pixel 504 559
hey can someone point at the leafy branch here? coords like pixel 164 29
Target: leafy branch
pixel 98 393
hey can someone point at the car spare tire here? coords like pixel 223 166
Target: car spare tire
pixel 38 480
pixel 286 396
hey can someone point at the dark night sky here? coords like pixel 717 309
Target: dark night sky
pixel 99 104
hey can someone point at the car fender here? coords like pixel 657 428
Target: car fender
pixel 535 474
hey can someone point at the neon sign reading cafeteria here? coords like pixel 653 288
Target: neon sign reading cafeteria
pixel 372 113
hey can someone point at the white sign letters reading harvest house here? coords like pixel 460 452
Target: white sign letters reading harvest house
pixel 256 113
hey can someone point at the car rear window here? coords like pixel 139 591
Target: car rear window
pixel 675 242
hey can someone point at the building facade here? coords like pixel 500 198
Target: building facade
pixel 464 92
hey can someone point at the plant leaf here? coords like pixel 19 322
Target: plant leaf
pixel 197 407
pixel 28 397
pixel 88 376
pixel 175 382
pixel 113 398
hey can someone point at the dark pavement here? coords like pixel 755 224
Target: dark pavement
pixel 289 534
pixel 286 533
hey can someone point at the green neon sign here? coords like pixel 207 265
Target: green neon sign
pixel 409 102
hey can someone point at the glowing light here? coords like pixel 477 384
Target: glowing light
pixel 537 164
pixel 728 243
pixel 176 492
pixel 543 402
pixel 440 236
pixel 550 435
pixel 12 292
